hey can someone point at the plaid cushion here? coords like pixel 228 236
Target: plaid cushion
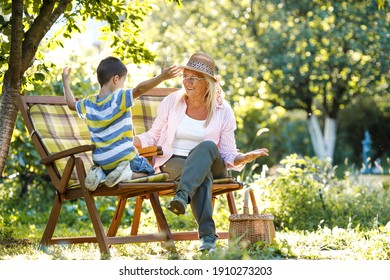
pixel 144 112
pixel 59 129
pixel 224 180
pixel 159 177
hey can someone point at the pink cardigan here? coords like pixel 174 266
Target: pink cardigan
pixel 172 110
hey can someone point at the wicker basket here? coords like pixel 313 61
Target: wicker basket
pixel 250 228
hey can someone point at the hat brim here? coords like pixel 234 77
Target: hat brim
pixel 197 70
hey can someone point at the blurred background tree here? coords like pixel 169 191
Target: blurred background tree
pixel 275 57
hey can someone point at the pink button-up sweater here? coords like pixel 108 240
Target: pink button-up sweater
pixel 172 110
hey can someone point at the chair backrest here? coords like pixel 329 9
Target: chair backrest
pixel 55 128
pixel 145 108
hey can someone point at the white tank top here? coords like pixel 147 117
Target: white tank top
pixel 190 133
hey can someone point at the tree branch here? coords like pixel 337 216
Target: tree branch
pixel 38 29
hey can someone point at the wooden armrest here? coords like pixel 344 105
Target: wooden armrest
pixel 150 151
pixel 159 153
pixel 66 153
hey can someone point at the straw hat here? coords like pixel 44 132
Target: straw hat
pixel 202 63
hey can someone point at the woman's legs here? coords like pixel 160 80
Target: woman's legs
pixel 197 172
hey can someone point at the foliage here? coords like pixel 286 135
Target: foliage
pixel 122 26
pixel 306 193
pixel 312 55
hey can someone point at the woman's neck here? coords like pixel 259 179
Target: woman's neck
pixel 196 108
pixel 195 102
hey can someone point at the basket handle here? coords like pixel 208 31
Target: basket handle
pixel 250 192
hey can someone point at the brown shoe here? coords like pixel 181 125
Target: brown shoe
pixel 178 204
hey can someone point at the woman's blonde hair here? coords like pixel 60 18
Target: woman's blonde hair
pixel 210 98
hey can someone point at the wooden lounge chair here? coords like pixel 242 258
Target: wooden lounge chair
pixel 63 143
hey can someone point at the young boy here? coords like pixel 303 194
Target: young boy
pixel 108 117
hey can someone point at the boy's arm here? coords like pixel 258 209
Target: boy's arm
pixel 69 97
pixel 165 74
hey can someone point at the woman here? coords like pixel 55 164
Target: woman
pixel 195 128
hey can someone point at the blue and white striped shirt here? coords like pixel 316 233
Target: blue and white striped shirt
pixel 110 124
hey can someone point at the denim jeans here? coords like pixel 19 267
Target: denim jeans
pixel 141 165
pixel 195 175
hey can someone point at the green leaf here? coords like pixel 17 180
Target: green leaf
pixel 39 77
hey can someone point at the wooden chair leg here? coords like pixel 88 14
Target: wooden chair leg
pixel 116 220
pixel 161 220
pixel 97 223
pixel 93 213
pixel 51 223
pixel 231 203
pixel 137 215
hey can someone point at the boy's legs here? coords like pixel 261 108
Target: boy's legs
pixel 141 167
pixel 127 170
pixel 94 177
pixel 121 173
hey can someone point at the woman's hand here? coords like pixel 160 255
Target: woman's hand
pixel 250 156
pixel 137 142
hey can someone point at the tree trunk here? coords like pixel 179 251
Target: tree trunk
pixel 8 114
pixel 22 52
pixel 11 83
pixel 323 143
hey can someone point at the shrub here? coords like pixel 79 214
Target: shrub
pixel 305 193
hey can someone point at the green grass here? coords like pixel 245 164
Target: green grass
pixel 322 244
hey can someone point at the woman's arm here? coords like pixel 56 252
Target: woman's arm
pixel 227 143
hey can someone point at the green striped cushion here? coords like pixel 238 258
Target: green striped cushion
pixel 159 177
pixel 60 129
pixel 144 112
pixel 224 180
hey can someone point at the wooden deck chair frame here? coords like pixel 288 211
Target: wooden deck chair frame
pixel 123 191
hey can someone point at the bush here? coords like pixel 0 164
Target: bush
pixel 306 193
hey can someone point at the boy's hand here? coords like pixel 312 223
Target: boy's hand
pixel 170 72
pixel 69 97
pixel 66 75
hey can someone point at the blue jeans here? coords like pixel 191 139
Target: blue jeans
pixel 195 175
pixel 141 165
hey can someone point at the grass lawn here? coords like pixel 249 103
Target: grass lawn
pixel 323 244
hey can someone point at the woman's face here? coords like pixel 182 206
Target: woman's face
pixel 194 87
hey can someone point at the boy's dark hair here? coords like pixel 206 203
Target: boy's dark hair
pixel 108 68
